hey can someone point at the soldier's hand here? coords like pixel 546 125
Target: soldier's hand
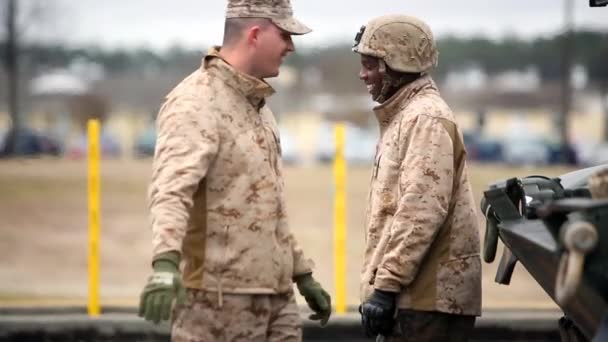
pixel 377 313
pixel 163 288
pixel 316 297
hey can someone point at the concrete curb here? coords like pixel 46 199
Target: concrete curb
pixel 71 324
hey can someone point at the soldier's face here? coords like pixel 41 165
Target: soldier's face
pixel 272 46
pixel 370 74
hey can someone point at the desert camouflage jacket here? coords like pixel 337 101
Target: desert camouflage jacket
pixel 217 194
pixel 422 237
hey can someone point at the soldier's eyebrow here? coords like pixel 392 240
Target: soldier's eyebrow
pixel 368 62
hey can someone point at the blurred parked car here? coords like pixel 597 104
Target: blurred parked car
pixel 482 148
pixel 555 153
pixel 360 145
pixel 2 136
pixel 526 150
pixel 29 143
pixel 146 142
pixel 585 150
pixel 596 154
pixel 109 146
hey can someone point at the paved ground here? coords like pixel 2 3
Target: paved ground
pixel 43 232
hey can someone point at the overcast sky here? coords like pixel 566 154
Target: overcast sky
pixel 196 23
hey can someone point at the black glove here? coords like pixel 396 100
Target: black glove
pixel 377 313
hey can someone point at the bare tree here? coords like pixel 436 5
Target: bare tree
pixel 12 68
pixel 566 86
pixel 17 20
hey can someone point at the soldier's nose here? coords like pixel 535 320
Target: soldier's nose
pixel 362 75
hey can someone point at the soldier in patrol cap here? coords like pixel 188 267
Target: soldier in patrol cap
pixel 421 276
pixel 222 248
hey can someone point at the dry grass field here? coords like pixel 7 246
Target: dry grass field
pixel 43 231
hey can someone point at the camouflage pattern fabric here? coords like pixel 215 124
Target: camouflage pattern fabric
pixel 421 326
pixel 217 192
pixel 422 234
pixel 598 184
pixel 261 318
pixel 404 43
pixel 278 11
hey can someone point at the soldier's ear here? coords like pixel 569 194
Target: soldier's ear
pixel 253 35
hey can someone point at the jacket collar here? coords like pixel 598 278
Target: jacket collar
pixel 386 111
pixel 254 89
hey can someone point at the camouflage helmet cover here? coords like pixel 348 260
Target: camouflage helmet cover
pixel 405 43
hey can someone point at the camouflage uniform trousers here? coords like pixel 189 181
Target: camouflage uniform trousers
pixel 273 318
pixel 422 326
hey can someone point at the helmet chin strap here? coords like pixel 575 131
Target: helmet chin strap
pixel 389 83
pixel 386 83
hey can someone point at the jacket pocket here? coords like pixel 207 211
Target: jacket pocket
pixel 387 171
pixel 372 277
pixel 277 141
pixel 459 283
pixel 387 188
pixel 274 148
pixel 224 266
pixel 459 258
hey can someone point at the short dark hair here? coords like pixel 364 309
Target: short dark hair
pixel 234 27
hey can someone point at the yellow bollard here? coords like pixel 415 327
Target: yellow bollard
pixel 93 307
pixel 340 219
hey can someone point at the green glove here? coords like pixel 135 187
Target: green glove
pixel 163 287
pixel 317 298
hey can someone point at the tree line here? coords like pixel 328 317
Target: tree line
pixel 589 48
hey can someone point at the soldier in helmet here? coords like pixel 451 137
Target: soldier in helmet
pixel 421 277
pixel 217 196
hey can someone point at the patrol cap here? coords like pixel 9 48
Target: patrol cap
pixel 278 11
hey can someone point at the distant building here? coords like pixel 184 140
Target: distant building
pixel 516 81
pixel 469 79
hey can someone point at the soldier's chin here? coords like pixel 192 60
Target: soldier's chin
pixel 272 74
pixel 372 91
pixel 374 94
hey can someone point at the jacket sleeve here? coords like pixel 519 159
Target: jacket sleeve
pixel 301 264
pixel 187 142
pixel 425 188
